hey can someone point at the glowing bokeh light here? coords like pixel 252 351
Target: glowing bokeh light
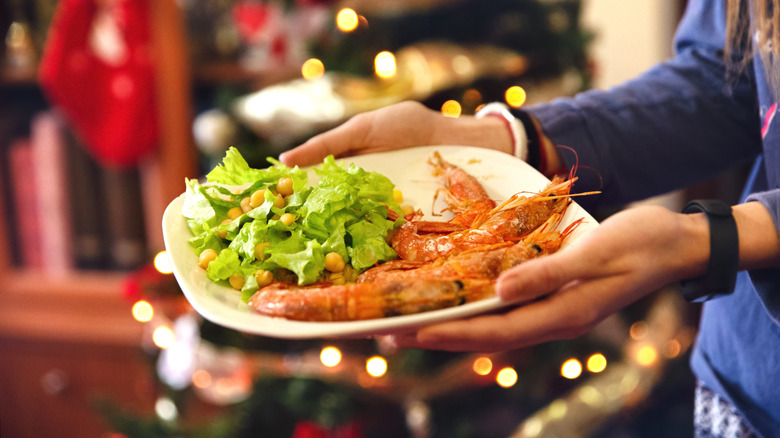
pixel 163 337
pixel 596 363
pixel 515 96
pixel 646 355
pixel 162 262
pixel 312 69
pixel 166 409
pixel 201 379
pixel 347 20
pixel 384 65
pixel 143 311
pixel 376 366
pixel 638 330
pixel 672 349
pixel 330 356
pixel 507 377
pixel 571 369
pixel 451 108
pixel 472 97
pixel 482 366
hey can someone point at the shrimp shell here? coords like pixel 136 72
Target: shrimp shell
pixel 362 301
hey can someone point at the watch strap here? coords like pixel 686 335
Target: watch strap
pixel 722 266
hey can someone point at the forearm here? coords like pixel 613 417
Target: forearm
pixel 759 242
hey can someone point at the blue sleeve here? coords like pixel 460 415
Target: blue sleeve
pixel 677 124
pixel 765 280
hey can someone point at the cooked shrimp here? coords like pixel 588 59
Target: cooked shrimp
pixel 519 215
pixel 486 261
pixel 360 301
pixel 420 241
pixel 465 196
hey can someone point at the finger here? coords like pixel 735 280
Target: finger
pixel 516 329
pixel 538 277
pixel 563 315
pixel 343 140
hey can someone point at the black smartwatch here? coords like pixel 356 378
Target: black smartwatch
pixel 721 272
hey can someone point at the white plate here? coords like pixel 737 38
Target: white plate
pixel 501 175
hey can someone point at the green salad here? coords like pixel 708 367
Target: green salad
pixel 252 226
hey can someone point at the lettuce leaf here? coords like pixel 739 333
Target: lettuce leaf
pixel 346 212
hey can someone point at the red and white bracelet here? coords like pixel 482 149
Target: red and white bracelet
pixel 516 128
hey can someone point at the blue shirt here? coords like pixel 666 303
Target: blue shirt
pixel 681 122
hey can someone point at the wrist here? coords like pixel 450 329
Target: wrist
pixel 720 274
pixel 487 132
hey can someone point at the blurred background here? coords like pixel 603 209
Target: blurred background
pixel 106 106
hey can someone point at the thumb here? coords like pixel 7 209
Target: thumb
pixel 537 277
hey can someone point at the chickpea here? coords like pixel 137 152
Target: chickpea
pixel 284 186
pixel 236 281
pixel 337 278
pixel 334 262
pixel 398 196
pixel 206 257
pixel 279 201
pixel 222 233
pixel 235 212
pixel 264 278
pixel 287 218
pixel 407 209
pixel 260 250
pixel 246 204
pixel 257 198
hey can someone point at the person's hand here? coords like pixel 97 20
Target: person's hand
pixel 400 126
pixel 564 295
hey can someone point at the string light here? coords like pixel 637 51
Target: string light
pixel 376 366
pixel 312 69
pixel 571 369
pixel 646 355
pixel 163 337
pixel 451 108
pixel 384 65
pixel 482 366
pixel 162 262
pixel 330 356
pixel 507 377
pixel 515 96
pixel 142 311
pixel 347 20
pixel 596 363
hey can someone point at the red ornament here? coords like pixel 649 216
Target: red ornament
pixel 251 18
pixel 309 429
pixel 97 66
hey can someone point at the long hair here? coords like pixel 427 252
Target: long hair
pixel 752 31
